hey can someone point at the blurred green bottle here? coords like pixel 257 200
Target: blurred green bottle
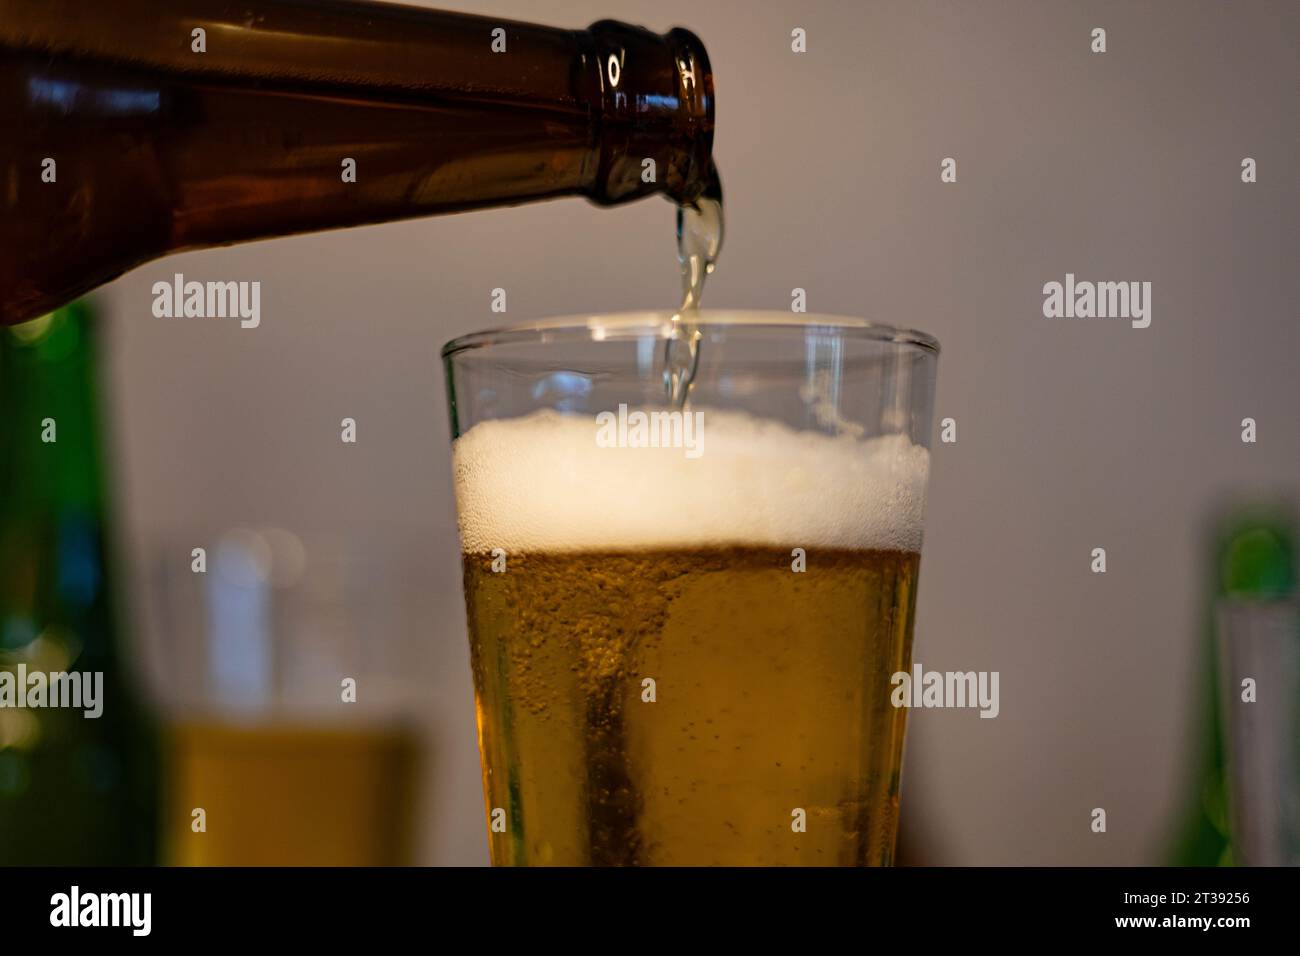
pixel 1252 555
pixel 73 789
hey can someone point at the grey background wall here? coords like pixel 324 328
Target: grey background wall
pixel 1071 435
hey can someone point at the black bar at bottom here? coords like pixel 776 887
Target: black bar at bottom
pixel 608 909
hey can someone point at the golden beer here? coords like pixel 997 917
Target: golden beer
pixel 688 662
pixel 770 696
pixel 290 795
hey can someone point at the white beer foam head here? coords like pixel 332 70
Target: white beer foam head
pixel 543 483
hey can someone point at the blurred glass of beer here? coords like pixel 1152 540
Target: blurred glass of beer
pixel 252 662
pixel 682 655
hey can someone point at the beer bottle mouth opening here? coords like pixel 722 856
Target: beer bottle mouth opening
pixel 633 326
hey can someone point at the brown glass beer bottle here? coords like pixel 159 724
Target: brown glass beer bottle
pixel 136 128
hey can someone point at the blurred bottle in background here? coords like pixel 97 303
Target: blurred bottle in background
pixel 1259 655
pixel 289 735
pixel 1252 556
pixel 74 790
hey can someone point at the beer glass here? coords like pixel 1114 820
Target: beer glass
pixel 250 663
pixel 684 621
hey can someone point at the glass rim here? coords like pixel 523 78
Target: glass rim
pixel 615 325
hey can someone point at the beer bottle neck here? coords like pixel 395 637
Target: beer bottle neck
pixel 653 101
